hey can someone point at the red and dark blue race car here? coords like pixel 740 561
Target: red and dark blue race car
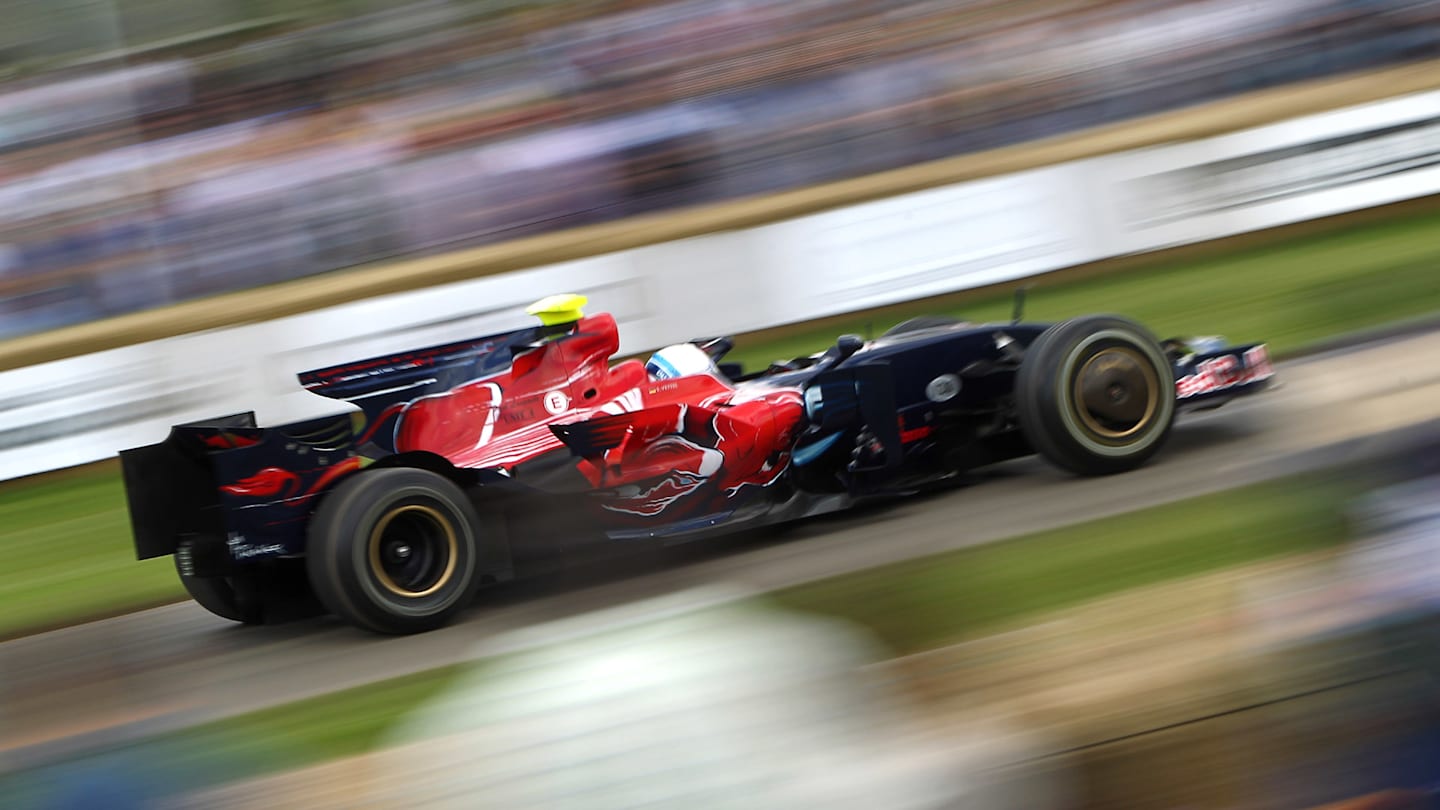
pixel 475 462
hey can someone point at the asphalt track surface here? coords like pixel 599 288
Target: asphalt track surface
pixel 178 665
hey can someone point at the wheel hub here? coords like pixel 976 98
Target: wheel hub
pixel 413 551
pixel 1116 393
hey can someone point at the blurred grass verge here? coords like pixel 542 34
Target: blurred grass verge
pixel 910 607
pixel 70 529
pixel 922 604
pixel 72 560
pixel 268 741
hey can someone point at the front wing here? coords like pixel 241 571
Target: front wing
pixel 1210 379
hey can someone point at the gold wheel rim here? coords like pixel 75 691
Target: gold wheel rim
pixel 1103 388
pixel 433 518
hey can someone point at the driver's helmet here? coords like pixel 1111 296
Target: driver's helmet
pixel 680 360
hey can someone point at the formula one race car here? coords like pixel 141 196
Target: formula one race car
pixel 474 462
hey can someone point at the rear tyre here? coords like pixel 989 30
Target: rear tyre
pixel 233 598
pixel 1096 395
pixel 921 323
pixel 394 551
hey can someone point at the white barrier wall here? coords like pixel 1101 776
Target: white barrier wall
pixel 941 240
pixel 1302 169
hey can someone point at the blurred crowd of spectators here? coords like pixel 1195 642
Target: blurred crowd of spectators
pixel 250 159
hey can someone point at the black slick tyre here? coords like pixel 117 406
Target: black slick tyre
pixel 394 551
pixel 1096 395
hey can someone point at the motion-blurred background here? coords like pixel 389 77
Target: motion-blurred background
pixel 153 151
pixel 1251 622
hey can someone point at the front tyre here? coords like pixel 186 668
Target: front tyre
pixel 394 550
pixel 1096 395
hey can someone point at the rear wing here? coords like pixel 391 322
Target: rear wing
pixel 171 488
pixel 379 385
pixel 226 484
